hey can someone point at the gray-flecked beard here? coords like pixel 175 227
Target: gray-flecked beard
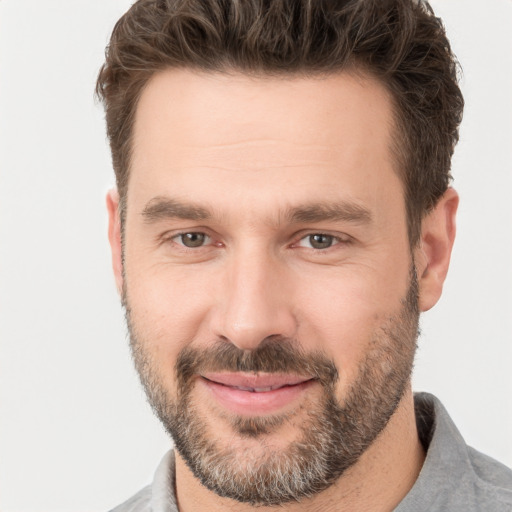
pixel 333 433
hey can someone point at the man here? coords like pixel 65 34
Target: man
pixel 282 216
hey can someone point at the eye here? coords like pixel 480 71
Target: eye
pixel 318 241
pixel 192 240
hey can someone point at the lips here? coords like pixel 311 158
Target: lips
pixel 255 394
pixel 257 390
pixel 255 383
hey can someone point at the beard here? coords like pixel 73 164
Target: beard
pixel 332 434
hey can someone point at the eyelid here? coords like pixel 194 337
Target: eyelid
pixel 339 238
pixel 172 236
pixel 207 239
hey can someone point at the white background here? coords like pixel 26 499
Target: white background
pixel 75 432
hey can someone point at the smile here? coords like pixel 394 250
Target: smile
pixel 251 395
pixel 258 390
pixel 255 390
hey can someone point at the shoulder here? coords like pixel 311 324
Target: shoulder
pixel 454 476
pixel 492 480
pixel 157 497
pixel 140 502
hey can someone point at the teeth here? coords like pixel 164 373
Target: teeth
pixel 257 390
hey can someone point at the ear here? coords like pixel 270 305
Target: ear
pixel 114 237
pixel 433 253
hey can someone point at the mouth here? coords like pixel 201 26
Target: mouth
pixel 255 394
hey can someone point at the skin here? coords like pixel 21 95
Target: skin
pixel 249 150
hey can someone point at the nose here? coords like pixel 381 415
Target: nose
pixel 255 301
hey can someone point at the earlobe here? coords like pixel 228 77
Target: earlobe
pixel 434 251
pixel 114 237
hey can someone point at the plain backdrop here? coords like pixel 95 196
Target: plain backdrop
pixel 75 431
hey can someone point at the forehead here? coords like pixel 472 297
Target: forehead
pixel 197 130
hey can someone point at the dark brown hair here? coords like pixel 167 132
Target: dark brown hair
pixel 400 42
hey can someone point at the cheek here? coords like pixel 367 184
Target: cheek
pixel 341 315
pixel 168 308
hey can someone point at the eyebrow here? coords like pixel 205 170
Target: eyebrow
pixel 160 208
pixel 345 211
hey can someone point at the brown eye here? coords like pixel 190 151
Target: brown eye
pixel 318 241
pixel 192 240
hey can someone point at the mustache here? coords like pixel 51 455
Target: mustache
pixel 274 354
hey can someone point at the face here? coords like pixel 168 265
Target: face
pixel 268 280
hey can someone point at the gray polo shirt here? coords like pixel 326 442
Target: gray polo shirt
pixel 454 477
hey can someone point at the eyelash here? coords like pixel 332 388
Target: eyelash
pixel 335 240
pixel 177 236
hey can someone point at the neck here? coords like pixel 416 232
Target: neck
pixel 379 480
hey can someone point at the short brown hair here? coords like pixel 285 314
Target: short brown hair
pixel 400 42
